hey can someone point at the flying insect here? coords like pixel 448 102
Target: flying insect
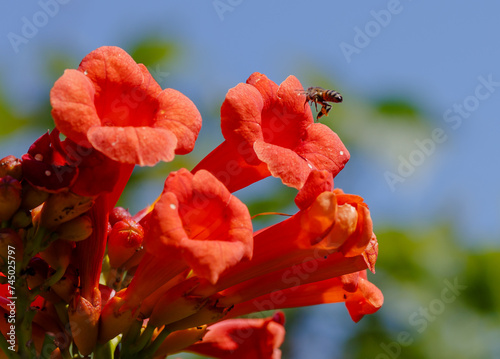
pixel 319 95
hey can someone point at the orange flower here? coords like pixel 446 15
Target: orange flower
pixel 196 223
pixel 269 130
pixel 313 246
pixel 112 104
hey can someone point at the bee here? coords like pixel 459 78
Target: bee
pixel 319 95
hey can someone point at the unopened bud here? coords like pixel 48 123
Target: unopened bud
pixel 58 254
pixel 118 214
pixel 21 219
pixel 181 339
pixel 11 166
pixel 63 207
pixel 37 272
pixel 65 288
pixel 11 246
pixel 10 197
pixel 32 197
pixel 115 321
pixel 85 315
pixel 124 240
pixel 77 229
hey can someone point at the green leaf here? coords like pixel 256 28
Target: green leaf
pixel 153 50
pixel 9 121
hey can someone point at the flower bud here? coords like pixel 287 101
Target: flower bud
pixel 124 240
pixel 208 314
pixel 58 254
pixel 38 272
pixel 63 207
pixel 10 197
pixel 11 246
pixel 118 214
pixel 65 288
pixel 114 320
pixel 85 315
pixel 77 229
pixel 181 339
pixel 11 166
pixel 176 304
pixel 32 197
pixel 21 219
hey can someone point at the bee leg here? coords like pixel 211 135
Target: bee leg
pixel 326 108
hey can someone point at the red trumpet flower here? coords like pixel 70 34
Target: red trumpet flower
pixel 269 130
pixel 113 104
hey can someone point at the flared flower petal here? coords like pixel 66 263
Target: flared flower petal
pixel 366 300
pixel 271 129
pixel 113 104
pixel 317 183
pixel 140 145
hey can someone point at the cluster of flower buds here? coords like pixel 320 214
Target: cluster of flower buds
pixel 81 276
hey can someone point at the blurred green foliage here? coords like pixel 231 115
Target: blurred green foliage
pixel 436 292
pixel 9 120
pixel 481 272
pixel 153 50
